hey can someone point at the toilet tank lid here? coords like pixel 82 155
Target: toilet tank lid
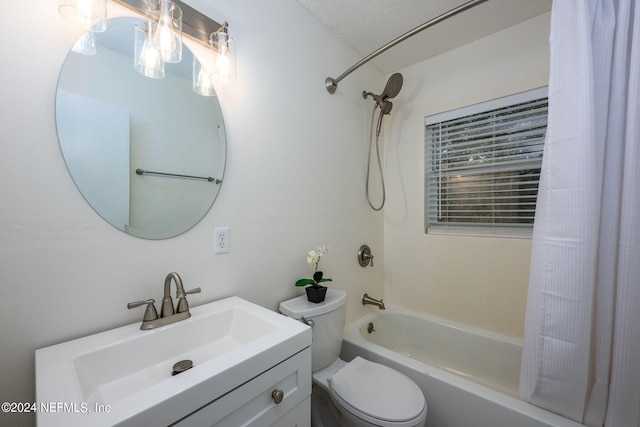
pixel 299 307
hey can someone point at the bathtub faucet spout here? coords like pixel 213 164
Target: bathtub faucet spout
pixel 366 299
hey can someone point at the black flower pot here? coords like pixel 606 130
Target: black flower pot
pixel 316 293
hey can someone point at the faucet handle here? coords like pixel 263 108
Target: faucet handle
pixel 365 257
pixel 150 313
pixel 368 257
pixel 183 305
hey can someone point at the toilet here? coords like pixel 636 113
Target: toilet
pixel 359 393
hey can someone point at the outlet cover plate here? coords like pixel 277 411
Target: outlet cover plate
pixel 220 240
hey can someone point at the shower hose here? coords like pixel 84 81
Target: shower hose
pixel 378 159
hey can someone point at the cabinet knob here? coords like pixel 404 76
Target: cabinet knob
pixel 277 396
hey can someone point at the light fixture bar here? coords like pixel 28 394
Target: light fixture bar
pixel 195 24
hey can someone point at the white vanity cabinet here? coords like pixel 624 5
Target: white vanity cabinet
pixel 251 367
pixel 279 396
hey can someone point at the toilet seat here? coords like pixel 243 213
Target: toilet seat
pixel 378 394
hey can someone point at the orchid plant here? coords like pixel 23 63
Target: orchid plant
pixel 313 259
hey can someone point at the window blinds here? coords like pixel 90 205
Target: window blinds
pixel 483 167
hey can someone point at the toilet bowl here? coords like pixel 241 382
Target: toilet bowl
pixel 357 393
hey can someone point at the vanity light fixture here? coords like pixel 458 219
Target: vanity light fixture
pixel 219 65
pixel 147 59
pixel 224 66
pixel 162 38
pixel 168 31
pixel 88 14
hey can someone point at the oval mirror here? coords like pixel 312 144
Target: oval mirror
pixel 148 154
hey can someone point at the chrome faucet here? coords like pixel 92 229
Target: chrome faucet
pixel 366 299
pixel 167 313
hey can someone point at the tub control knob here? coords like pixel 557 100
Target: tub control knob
pixel 364 256
pixel 277 396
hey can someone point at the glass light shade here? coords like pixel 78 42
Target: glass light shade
pixel 86 44
pixel 224 65
pixel 168 32
pixel 88 14
pixel 202 82
pixel 147 59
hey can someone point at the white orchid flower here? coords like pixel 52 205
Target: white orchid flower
pixel 322 250
pixel 312 258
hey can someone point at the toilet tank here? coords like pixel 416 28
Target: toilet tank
pixel 328 324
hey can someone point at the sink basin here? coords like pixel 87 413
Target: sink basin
pixel 124 376
pixel 116 371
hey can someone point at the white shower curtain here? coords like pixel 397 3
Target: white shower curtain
pixel 581 354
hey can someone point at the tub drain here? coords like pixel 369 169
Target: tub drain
pixel 182 366
pixel 370 327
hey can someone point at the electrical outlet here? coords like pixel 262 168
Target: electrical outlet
pixel 220 240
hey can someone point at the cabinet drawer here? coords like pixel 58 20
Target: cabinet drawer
pixel 300 416
pixel 252 404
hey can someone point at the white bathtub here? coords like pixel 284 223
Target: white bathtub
pixel 469 377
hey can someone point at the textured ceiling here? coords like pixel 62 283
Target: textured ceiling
pixel 367 25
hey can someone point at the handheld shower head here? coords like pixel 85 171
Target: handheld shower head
pixel 385 107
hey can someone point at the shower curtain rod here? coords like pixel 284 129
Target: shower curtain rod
pixel 332 84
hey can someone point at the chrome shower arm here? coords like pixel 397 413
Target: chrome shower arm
pixel 332 84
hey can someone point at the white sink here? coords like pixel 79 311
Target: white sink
pixel 125 375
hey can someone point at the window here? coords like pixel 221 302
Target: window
pixel 483 166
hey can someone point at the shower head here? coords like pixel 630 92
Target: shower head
pixel 394 84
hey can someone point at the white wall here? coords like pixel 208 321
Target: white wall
pixel 478 281
pixel 295 177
